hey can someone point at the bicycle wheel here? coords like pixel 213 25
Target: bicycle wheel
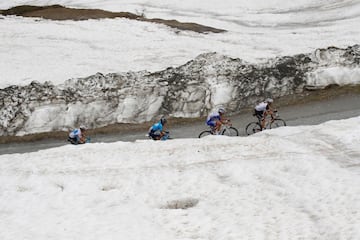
pixel 230 131
pixel 277 123
pixel 205 133
pixel 252 128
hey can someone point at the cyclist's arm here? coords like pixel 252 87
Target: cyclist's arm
pixel 224 120
pixel 163 131
pixel 271 112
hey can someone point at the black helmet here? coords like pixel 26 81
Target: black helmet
pixel 163 120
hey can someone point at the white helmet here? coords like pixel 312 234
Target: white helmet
pixel 269 100
pixel 82 127
pixel 221 110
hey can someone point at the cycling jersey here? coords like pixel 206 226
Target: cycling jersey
pixel 212 119
pixel 262 107
pixel 156 127
pixel 155 130
pixel 75 136
pixel 76 133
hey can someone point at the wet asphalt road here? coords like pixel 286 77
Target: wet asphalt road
pixel 339 107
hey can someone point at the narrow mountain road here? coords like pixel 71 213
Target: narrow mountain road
pixel 310 113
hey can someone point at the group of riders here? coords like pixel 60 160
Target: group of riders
pixel 214 120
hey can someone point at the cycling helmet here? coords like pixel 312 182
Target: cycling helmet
pixel 269 100
pixel 163 120
pixel 221 110
pixel 82 127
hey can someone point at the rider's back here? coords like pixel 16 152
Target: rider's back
pixel 157 127
pixel 213 116
pixel 261 106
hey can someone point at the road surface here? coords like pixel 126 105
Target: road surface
pixel 310 113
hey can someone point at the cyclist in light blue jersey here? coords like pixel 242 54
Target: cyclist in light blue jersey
pixel 157 131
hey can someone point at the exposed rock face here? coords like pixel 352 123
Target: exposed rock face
pixel 58 12
pixel 191 90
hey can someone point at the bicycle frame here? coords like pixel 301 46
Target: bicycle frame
pixel 225 126
pixel 225 129
pixel 271 121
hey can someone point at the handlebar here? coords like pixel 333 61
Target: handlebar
pixel 227 122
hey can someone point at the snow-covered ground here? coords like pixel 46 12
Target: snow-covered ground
pixel 287 183
pixel 45 50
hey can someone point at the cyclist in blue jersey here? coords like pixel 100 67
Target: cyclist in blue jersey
pixel 216 119
pixel 157 131
pixel 78 135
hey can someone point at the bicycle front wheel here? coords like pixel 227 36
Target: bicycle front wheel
pixel 277 123
pixel 230 131
pixel 252 128
pixel 205 133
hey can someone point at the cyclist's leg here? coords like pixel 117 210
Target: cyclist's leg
pixel 164 136
pixel 217 126
pixel 261 117
pixel 155 135
pixel 72 140
pixel 258 114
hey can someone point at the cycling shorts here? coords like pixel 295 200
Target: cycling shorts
pixel 259 114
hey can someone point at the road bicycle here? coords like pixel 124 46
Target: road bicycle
pixel 166 136
pixel 226 129
pixel 75 142
pixel 271 121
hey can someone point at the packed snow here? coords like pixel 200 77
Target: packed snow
pixel 287 183
pixel 45 50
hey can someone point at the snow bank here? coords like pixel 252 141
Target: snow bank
pixel 287 183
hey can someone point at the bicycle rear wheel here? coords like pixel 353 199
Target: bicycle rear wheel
pixel 277 123
pixel 252 128
pixel 230 131
pixel 205 133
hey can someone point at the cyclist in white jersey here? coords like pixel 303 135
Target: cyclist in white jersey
pixel 216 119
pixel 78 135
pixel 263 109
